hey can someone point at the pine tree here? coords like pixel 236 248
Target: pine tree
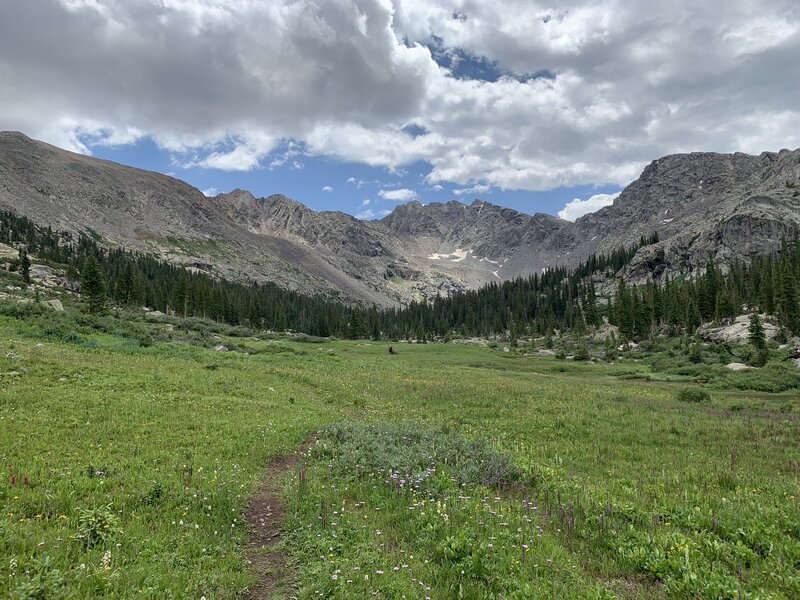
pixel 789 305
pixel 756 329
pixel 590 307
pixel 93 285
pixel 695 353
pixel 25 265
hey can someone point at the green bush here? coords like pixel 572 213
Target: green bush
pixel 97 525
pixel 412 455
pixel 582 353
pixel 693 395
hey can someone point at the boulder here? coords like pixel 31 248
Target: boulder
pixel 55 305
pixel 605 331
pixel 737 366
pixel 8 251
pixel 737 332
pixel 221 348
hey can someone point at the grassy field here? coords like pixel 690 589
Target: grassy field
pixel 126 472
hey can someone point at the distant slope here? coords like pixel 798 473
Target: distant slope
pixel 704 206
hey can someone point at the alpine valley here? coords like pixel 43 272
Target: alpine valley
pixel 702 206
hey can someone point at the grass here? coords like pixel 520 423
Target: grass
pixel 132 463
pixel 197 246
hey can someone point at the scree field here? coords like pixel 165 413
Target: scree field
pixel 441 472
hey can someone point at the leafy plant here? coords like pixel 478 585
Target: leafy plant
pixel 98 525
pixel 693 395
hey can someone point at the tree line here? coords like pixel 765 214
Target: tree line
pixel 556 299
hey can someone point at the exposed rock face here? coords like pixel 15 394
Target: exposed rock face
pixel 735 366
pixel 704 207
pixel 737 332
pixel 8 251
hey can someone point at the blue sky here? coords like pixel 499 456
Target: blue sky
pixel 378 101
pixel 356 188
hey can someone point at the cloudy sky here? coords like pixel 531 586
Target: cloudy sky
pixel 359 105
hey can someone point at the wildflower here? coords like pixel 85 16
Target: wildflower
pixel 105 562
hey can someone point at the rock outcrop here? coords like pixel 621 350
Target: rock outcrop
pixel 737 332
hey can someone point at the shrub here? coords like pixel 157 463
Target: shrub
pixel 413 456
pixel 693 395
pixel 97 525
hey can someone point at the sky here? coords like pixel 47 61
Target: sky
pixel 361 105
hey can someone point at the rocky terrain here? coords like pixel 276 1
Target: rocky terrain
pixel 704 207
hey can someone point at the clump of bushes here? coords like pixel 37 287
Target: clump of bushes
pixel 411 455
pixel 693 395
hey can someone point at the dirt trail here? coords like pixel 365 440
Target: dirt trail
pixel 264 516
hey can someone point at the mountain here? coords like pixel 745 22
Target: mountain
pixel 704 207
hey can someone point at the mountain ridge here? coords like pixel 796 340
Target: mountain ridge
pixel 704 206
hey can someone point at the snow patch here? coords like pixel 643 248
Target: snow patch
pixel 670 220
pixel 457 255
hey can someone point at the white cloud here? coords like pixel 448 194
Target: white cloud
pixel 577 207
pixel 627 82
pixel 398 195
pixel 370 214
pixel 327 189
pixel 475 189
pixel 366 202
pixel 210 192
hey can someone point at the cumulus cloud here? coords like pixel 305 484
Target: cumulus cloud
pixel 327 189
pixel 577 208
pixel 210 192
pixel 398 195
pixel 369 214
pixel 480 188
pixel 583 95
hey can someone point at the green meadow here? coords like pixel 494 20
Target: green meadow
pixel 129 451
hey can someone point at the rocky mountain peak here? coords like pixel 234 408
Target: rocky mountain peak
pixel 704 206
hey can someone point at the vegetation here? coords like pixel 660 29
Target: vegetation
pixel 556 300
pixel 130 448
pixel 693 395
pixel 633 464
pixel 93 285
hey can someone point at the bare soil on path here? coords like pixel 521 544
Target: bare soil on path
pixel 265 516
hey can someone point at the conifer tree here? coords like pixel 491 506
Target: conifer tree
pixel 93 285
pixel 25 265
pixel 759 341
pixel 756 331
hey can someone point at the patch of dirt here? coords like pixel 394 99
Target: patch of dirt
pixel 634 588
pixel 265 515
